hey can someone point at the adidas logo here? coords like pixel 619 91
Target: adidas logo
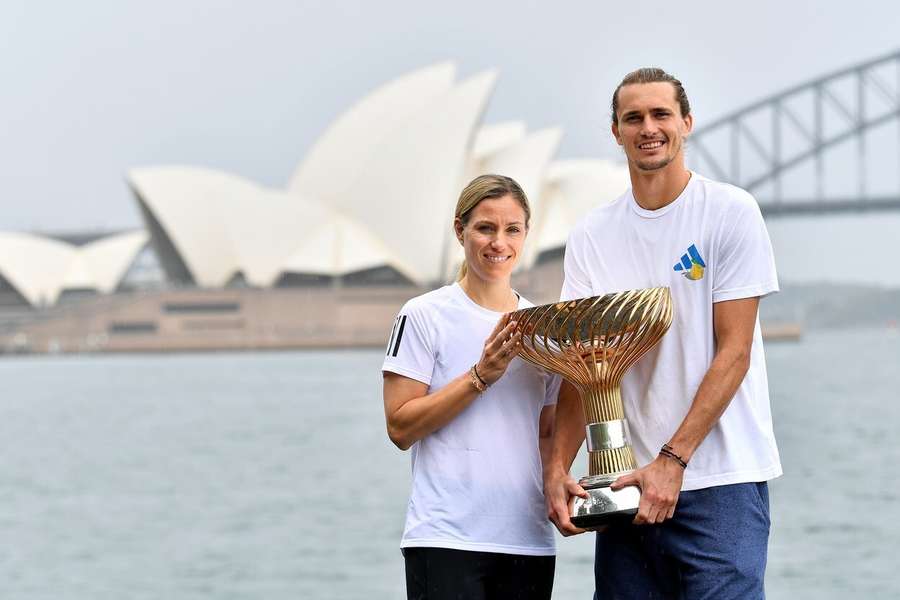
pixel 691 265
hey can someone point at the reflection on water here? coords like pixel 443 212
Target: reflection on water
pixel 270 476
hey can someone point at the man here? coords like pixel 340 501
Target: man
pixel 697 404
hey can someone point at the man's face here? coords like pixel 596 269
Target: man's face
pixel 649 125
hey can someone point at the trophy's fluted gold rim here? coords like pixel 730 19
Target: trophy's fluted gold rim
pixel 644 315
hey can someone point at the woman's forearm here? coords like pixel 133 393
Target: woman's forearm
pixel 418 417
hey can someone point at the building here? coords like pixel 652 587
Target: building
pixel 372 201
pixel 39 271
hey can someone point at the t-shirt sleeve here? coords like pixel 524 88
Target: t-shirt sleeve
pixel 552 382
pixel 745 265
pixel 410 349
pixel 576 283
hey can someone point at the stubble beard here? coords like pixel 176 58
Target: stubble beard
pixel 647 165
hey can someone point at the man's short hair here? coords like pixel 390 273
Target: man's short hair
pixel 651 75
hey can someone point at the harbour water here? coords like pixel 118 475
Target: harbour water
pixel 269 475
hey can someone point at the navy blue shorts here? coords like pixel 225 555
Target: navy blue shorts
pixel 714 547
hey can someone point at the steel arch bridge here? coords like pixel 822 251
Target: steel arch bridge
pixel 808 149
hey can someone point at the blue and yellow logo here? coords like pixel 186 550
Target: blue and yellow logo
pixel 691 265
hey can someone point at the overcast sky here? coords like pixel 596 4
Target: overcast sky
pixel 91 88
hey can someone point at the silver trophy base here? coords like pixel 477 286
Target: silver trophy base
pixel 604 506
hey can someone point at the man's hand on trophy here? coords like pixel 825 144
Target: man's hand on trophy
pixel 499 348
pixel 559 489
pixel 660 484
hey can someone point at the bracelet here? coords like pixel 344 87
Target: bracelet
pixel 667 451
pixel 476 380
pixel 480 378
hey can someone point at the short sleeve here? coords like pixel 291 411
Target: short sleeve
pixel 745 265
pixel 576 283
pixel 551 386
pixel 410 348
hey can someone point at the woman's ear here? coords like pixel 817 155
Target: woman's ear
pixel 458 229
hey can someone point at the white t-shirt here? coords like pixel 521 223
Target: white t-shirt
pixel 476 482
pixel 707 246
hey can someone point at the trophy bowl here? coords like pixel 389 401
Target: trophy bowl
pixel 592 342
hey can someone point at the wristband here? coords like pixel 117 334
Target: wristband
pixel 480 378
pixel 667 451
pixel 476 380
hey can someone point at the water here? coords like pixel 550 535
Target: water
pixel 270 476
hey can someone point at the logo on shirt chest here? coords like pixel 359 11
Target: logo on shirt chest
pixel 691 264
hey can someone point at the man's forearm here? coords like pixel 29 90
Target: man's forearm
pixel 718 387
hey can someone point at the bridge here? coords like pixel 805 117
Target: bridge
pixel 831 144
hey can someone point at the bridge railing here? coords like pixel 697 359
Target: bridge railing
pixel 754 147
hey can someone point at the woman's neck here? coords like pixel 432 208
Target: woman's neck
pixel 497 296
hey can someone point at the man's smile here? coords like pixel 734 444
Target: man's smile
pixel 651 145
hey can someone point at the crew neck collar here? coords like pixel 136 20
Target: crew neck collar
pixel 655 214
pixel 475 306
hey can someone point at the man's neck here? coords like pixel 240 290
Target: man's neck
pixel 492 295
pixel 655 189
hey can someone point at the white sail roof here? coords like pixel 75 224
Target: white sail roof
pixel 496 136
pixel 572 189
pixel 41 268
pixel 109 258
pixel 221 226
pixel 405 191
pixel 340 246
pixel 328 170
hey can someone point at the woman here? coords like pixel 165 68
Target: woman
pixel 478 420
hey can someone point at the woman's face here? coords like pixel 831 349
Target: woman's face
pixel 493 238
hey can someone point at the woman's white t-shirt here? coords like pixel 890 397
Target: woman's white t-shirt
pixel 476 482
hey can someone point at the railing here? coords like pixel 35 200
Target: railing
pixel 755 146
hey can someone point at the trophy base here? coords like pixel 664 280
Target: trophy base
pixel 604 506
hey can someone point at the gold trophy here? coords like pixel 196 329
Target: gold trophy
pixel 591 342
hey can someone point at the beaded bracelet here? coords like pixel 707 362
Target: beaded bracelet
pixel 667 450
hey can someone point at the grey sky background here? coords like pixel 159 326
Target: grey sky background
pixel 92 88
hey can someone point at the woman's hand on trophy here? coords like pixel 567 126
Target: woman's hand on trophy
pixel 559 489
pixel 660 484
pixel 499 348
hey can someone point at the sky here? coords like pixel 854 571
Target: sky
pixel 93 88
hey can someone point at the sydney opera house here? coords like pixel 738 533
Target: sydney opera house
pixel 363 223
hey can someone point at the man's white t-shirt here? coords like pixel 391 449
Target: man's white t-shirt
pixel 708 246
pixel 477 481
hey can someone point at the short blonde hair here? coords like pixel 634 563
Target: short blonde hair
pixel 487 187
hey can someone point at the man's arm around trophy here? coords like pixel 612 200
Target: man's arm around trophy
pixel 660 481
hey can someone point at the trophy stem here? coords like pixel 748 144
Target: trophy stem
pixel 603 403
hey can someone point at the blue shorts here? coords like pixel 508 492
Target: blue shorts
pixel 714 547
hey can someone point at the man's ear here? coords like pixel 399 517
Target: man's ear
pixel 688 124
pixel 615 132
